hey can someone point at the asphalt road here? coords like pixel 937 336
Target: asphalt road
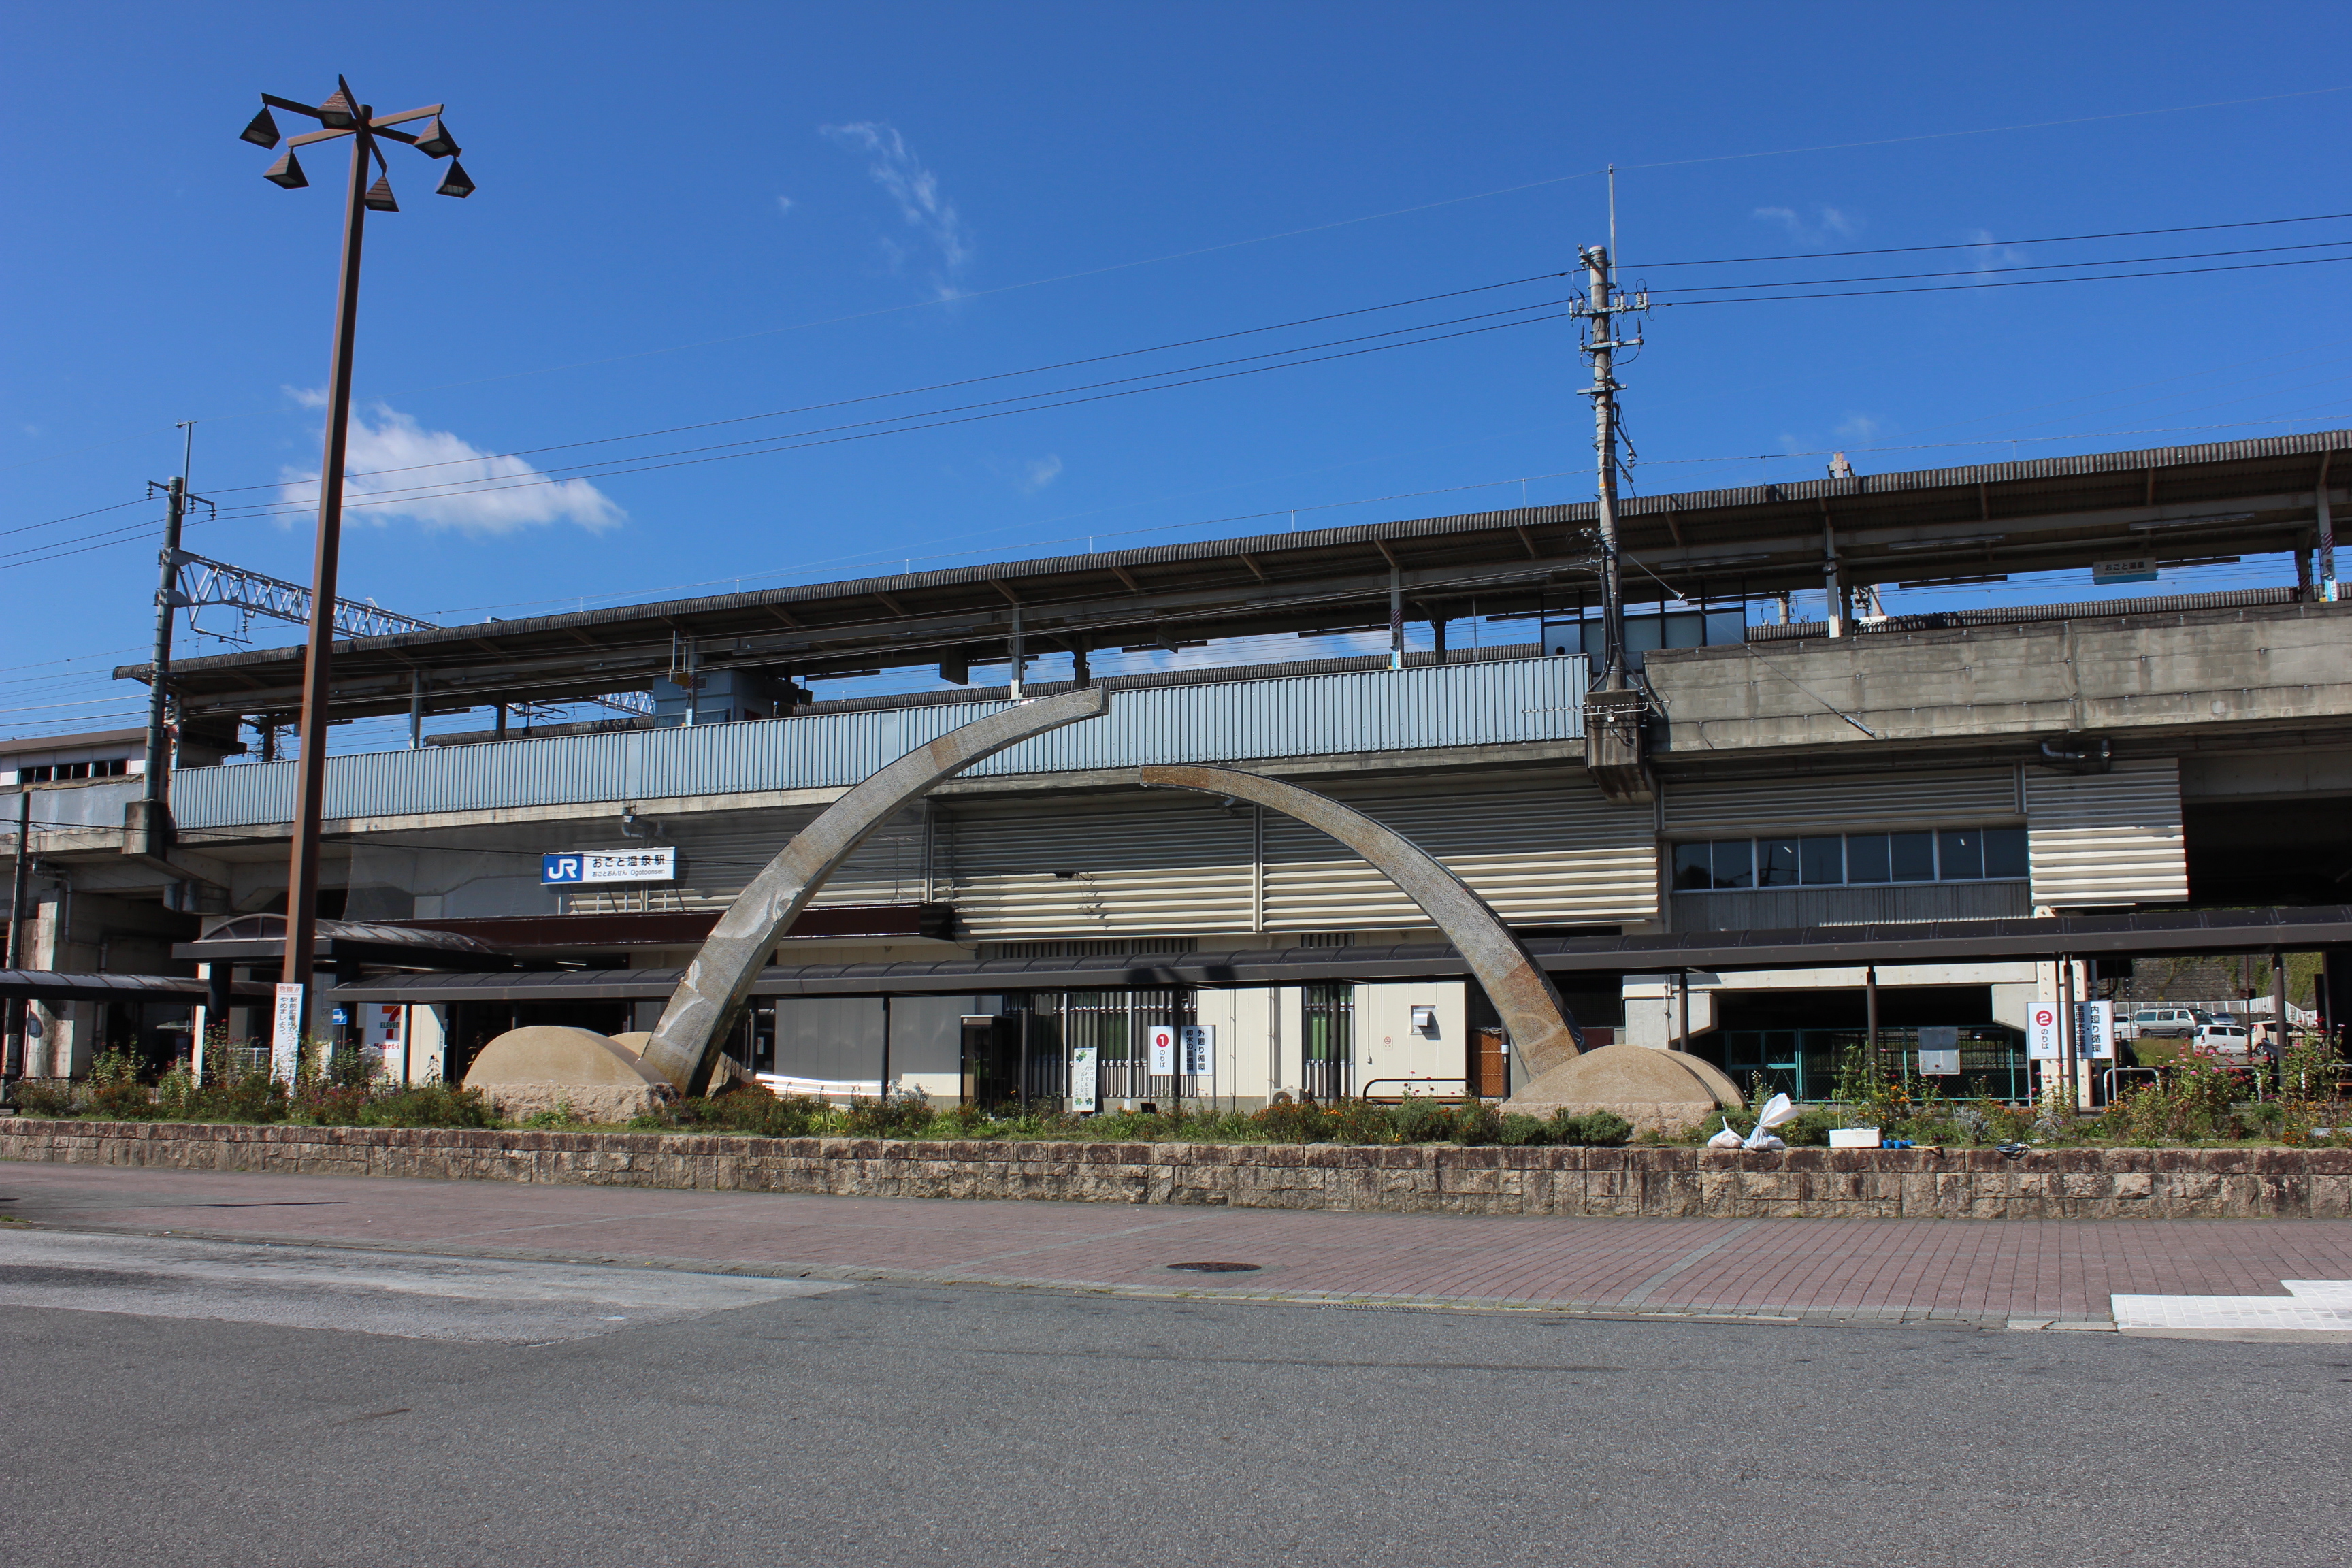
pixel 182 1401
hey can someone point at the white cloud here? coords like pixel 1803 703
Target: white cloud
pixel 396 468
pixel 1990 255
pixel 916 190
pixel 1831 222
pixel 1039 472
pixel 1858 428
pixel 784 204
pixel 306 397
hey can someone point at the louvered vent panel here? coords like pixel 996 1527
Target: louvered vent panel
pixel 1541 855
pixel 1067 868
pixel 2107 838
pixel 1734 807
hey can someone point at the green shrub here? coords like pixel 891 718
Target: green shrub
pixel 1415 1120
pixel 1605 1130
pixel 1517 1132
pixel 428 1105
pixel 48 1098
pixel 905 1117
pixel 1477 1121
pixel 1810 1127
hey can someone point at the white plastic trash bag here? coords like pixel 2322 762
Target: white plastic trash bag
pixel 1726 1139
pixel 1776 1110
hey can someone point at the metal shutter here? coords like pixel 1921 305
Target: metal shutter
pixel 2107 838
pixel 1165 862
pixel 1549 854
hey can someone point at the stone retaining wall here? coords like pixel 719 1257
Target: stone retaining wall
pixel 1959 1183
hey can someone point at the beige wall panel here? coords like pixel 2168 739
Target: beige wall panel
pixel 1134 862
pixel 2107 838
pixel 1549 853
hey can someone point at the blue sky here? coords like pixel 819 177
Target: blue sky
pixel 702 213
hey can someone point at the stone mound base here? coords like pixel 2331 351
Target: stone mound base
pixel 585 1102
pixel 1664 1089
pixel 550 1067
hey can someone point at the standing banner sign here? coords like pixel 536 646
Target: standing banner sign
pixel 2041 1032
pixel 285 1033
pixel 381 1028
pixel 1164 1051
pixel 2094 1027
pixel 1199 1043
pixel 1082 1078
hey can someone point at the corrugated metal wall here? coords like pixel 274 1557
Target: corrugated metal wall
pixel 2107 838
pixel 1729 808
pixel 719 855
pixel 1549 853
pixel 1160 861
pixel 1450 705
pixel 1543 853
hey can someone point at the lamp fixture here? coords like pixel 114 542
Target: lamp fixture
pixel 343 114
pixel 456 183
pixel 437 142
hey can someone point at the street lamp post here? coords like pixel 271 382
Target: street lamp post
pixel 341 115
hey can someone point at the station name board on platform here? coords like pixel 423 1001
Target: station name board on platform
pixel 574 867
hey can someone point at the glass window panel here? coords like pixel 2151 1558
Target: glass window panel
pixel 1691 873
pixel 1735 863
pixel 1959 855
pixel 1776 862
pixel 1822 860
pixel 1865 857
pixel 1911 857
pixel 2004 852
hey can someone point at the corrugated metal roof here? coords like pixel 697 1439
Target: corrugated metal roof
pixel 2240 496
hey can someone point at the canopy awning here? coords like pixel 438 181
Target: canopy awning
pixel 52 985
pixel 2151 934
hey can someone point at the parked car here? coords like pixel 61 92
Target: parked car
pixel 2161 1023
pixel 2229 1039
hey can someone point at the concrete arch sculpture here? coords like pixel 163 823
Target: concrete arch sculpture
pixel 718 984
pixel 1664 1089
pixel 1539 1022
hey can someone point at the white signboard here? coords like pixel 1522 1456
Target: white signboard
pixel 285 1033
pixel 578 867
pixel 2136 569
pixel 380 1027
pixel 2042 1032
pixel 1164 1051
pixel 1081 1077
pixel 1939 1064
pixel 2095 1029
pixel 1200 1049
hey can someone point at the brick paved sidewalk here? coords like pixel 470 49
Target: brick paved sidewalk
pixel 1882 1270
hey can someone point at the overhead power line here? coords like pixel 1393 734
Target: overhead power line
pixel 1981 243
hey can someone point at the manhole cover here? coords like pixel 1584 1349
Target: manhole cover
pixel 1217 1267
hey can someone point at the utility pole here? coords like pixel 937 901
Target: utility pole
pixel 1604 306
pixel 340 115
pixel 151 824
